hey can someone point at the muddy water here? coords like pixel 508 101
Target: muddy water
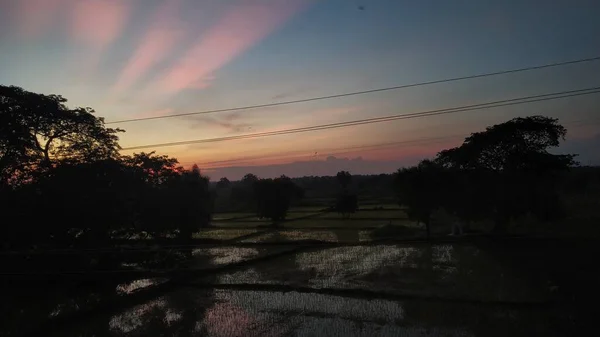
pixel 439 273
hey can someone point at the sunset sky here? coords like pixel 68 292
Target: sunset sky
pixel 141 58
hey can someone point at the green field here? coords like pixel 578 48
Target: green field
pixel 232 216
pixel 370 214
pixel 223 234
pixel 311 223
pixel 286 235
pixel 375 219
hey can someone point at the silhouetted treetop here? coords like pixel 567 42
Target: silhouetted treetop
pixel 223 183
pixel 346 204
pixel 521 143
pixel 344 178
pixel 249 179
pixel 153 168
pixel 274 197
pixel 419 189
pixel 40 130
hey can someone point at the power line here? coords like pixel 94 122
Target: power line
pixel 501 103
pixel 454 79
pixel 371 147
pixel 302 154
pixel 331 151
pixel 335 151
pixel 494 104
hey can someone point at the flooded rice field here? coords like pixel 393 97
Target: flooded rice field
pixel 190 312
pixel 378 290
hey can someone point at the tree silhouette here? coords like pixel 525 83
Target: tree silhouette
pixel 249 179
pixel 346 204
pixel 89 202
pixel 419 189
pixel 520 174
pixel 38 131
pixel 243 192
pixel 223 183
pixel 467 195
pixel 521 143
pixel 344 178
pixel 274 197
pixel 153 169
pixel 180 205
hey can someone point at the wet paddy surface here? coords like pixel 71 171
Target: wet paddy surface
pixel 439 290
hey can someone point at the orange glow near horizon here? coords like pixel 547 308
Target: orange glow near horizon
pixel 136 59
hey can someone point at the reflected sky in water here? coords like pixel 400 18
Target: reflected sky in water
pixel 446 271
pixel 266 313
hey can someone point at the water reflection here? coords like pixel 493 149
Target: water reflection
pixel 447 271
pixel 439 270
pixel 191 312
pixel 225 255
pixel 130 287
pixel 136 317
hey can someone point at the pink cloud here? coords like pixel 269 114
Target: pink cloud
pixel 241 27
pixel 99 22
pixel 155 45
pixel 155 113
pixel 35 17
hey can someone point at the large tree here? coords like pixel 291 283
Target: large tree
pixel 223 183
pixel 344 178
pixel 274 197
pixel 38 131
pixel 419 189
pixel 153 169
pixel 520 144
pixel 509 166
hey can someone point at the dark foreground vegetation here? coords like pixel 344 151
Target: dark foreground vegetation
pixel 73 207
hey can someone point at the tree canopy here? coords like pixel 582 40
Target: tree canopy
pixel 501 173
pixel 39 130
pixel 344 178
pixel 223 183
pixel 65 164
pixel 274 197
pixel 521 143
pixel 419 189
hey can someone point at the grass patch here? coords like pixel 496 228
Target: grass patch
pixel 320 222
pixel 369 214
pixel 297 215
pixel 223 234
pixel 397 232
pixel 232 216
pixel 342 235
pixel 241 224
pixel 307 209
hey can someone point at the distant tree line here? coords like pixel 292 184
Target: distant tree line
pixel 63 182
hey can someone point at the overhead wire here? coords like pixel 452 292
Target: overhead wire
pixel 362 92
pixel 370 147
pixel 435 112
pixel 328 152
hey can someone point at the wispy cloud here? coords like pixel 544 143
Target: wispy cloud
pixel 230 122
pixel 154 113
pixel 290 94
pixel 241 27
pixel 35 17
pixel 164 32
pixel 99 22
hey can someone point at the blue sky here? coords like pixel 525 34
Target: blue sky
pixel 138 58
